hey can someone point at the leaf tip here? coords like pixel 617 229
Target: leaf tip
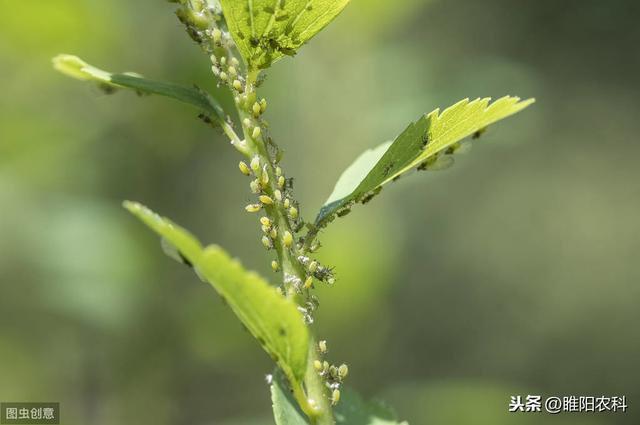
pixel 131 206
pixel 71 66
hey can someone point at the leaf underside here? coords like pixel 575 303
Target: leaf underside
pixel 272 319
pixel 267 30
pixel 424 144
pixel 77 68
pixel 351 410
pixel 285 408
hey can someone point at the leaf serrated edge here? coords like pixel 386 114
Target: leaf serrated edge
pixel 329 211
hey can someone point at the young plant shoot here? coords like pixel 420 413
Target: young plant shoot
pixel 242 40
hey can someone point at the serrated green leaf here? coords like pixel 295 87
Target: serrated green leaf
pixel 422 144
pixel 351 410
pixel 267 30
pixel 75 67
pixel 272 319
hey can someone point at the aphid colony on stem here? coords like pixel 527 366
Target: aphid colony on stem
pixel 333 375
pixel 280 221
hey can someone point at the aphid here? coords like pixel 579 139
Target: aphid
pixel 331 281
pixel 263 105
pixel 252 208
pixel 273 233
pixel 278 171
pixel 371 194
pixel 265 221
pixel 216 34
pixel 286 203
pixel 343 371
pixel 313 266
pixel 335 397
pixel 194 34
pixel 244 168
pixel 232 71
pixel 264 178
pixel 223 60
pixel 267 242
pixel 256 132
pixel 323 273
pixel 246 122
pixel 322 346
pixel 257 110
pixel 206 119
pixel 278 195
pixel 308 282
pixel 333 371
pixel 281 182
pixel 265 229
pixel 343 211
pixel 223 76
pixel 479 133
pixel 266 200
pixel 255 164
pixel 288 183
pixel 317 365
pixel 287 239
pixel 275 266
pixel 237 85
pixel 235 62
pixel 255 186
pixel 293 213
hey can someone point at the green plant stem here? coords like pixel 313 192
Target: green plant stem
pixel 317 391
pixel 313 398
pixel 311 395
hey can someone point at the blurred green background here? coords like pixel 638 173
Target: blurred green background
pixel 514 272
